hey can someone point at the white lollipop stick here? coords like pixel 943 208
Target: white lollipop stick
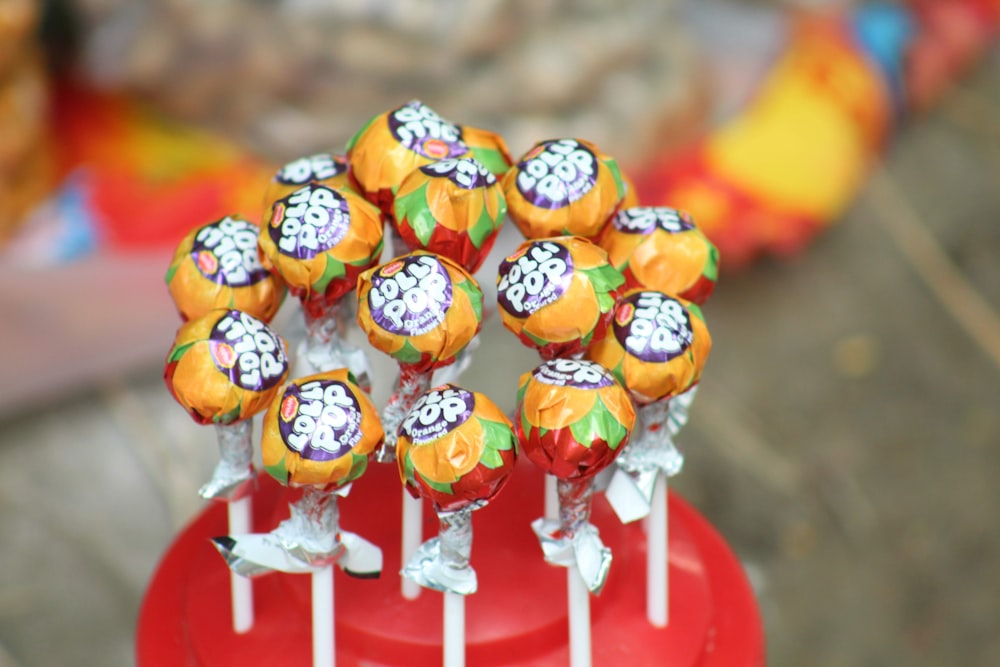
pixel 413 514
pixel 551 497
pixel 241 587
pixel 578 599
pixel 454 630
pixel 657 558
pixel 322 617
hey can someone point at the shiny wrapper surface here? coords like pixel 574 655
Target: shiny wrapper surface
pixel 225 366
pixel 456 448
pixel 217 266
pixel 422 309
pixel 394 143
pixel 662 249
pixel 573 417
pixel 326 169
pixel 657 345
pixel 320 430
pixel 451 207
pixel 563 187
pixel 558 294
pixel 488 148
pixel 319 240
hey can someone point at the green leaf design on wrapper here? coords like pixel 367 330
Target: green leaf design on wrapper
pixel 229 417
pixel 279 471
pixel 492 159
pixel 415 210
pixel 616 172
pixel 170 273
pixel 178 352
pixel 711 268
pixel 359 464
pixel 497 438
pixel 353 140
pixel 333 270
pixel 407 354
pixel 437 486
pixel 695 310
pixel 486 224
pixel 475 296
pixel 601 424
pixel 605 279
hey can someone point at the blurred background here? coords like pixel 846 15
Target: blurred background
pixel 844 156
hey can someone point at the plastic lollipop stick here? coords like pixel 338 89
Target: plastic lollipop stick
pixel 413 517
pixel 454 630
pixel 323 618
pixel 551 497
pixel 578 602
pixel 657 558
pixel 325 347
pixel 241 588
pixel 233 474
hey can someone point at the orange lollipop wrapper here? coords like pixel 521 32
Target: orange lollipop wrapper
pixel 488 148
pixel 217 266
pixel 394 143
pixel 319 240
pixel 558 294
pixel 657 345
pixel 563 187
pixel 327 169
pixel 456 448
pixel 660 248
pixel 451 207
pixel 225 366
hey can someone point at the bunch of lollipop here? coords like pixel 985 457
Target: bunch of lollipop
pixel 606 291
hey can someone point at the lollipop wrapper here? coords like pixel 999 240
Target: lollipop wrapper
pixel 325 347
pixel 563 187
pixel 225 366
pixel 442 563
pixel 320 430
pixel 309 540
pixel 573 540
pixel 394 143
pixel 421 309
pixel 326 169
pixel 489 149
pixel 657 345
pixel 410 384
pixel 453 208
pixel 319 240
pixel 456 448
pixel 557 294
pixel 660 248
pixel 233 477
pixel 574 418
pixel 217 266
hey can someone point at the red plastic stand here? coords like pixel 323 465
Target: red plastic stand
pixel 518 616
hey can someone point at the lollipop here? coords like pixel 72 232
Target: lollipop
pixel 453 208
pixel 660 248
pixel 394 143
pixel 488 148
pixel 216 266
pixel 322 168
pixel 421 309
pixel 223 368
pixel 455 448
pixel 557 294
pixel 657 348
pixel 319 240
pixel 563 187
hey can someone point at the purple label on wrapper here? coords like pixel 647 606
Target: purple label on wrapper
pixel 321 419
pixel 317 167
pixel 410 296
pixel 417 127
pixel 644 219
pixel 225 252
pixel 573 373
pixel 557 173
pixel 535 278
pixel 436 413
pixel 309 221
pixel 466 173
pixel 652 327
pixel 247 351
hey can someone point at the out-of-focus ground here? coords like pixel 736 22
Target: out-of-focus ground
pixel 845 439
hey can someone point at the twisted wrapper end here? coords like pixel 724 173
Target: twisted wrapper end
pixel 325 347
pixel 410 385
pixel 233 477
pixel 442 563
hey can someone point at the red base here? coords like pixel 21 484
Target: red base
pixel 518 616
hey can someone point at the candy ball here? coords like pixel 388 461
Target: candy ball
pixel 320 430
pixel 422 309
pixel 319 240
pixel 563 187
pixel 662 249
pixel 488 148
pixel 557 294
pixel 455 447
pixel 657 345
pixel 574 418
pixel 217 266
pixel 225 366
pixel 451 207
pixel 324 168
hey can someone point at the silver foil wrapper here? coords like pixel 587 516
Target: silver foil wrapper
pixel 233 477
pixel 325 347
pixel 573 540
pixel 442 563
pixel 310 539
pixel 409 386
pixel 651 452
